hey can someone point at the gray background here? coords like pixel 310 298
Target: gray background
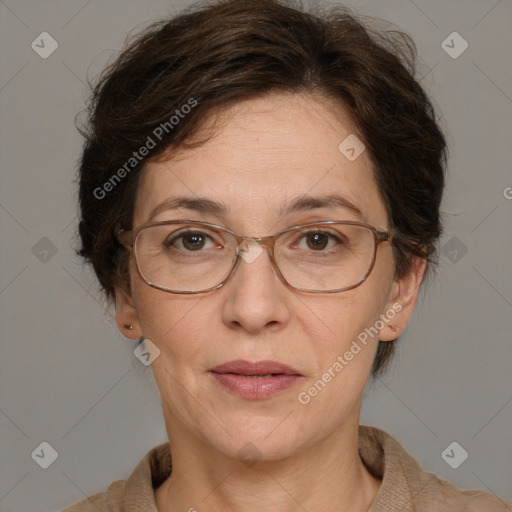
pixel 70 379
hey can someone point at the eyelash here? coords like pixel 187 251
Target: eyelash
pixel 170 241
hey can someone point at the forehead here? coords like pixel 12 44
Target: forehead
pixel 264 153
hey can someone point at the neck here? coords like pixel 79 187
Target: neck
pixel 326 477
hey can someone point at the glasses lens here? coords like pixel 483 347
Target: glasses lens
pixel 325 257
pixel 184 257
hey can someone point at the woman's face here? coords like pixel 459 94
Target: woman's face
pixel 268 152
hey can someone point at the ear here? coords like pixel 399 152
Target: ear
pixel 402 301
pixel 126 315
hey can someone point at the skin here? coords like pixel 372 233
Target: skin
pixel 266 151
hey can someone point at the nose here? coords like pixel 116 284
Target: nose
pixel 255 297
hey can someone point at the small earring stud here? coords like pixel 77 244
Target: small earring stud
pixel 128 327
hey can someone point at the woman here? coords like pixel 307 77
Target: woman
pixel 259 193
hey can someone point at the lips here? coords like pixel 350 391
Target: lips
pixel 260 368
pixel 257 380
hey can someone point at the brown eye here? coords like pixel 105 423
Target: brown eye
pixel 317 241
pixel 193 241
pixel 189 241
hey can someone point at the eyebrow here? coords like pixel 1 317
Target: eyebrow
pixel 201 205
pixel 306 202
pixel 298 204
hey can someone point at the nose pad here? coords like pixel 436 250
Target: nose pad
pixel 249 250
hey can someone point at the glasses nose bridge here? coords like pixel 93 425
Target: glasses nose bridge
pixel 267 241
pixel 264 241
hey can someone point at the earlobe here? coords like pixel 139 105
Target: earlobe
pixel 402 301
pixel 126 315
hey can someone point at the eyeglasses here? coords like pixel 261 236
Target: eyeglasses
pixel 183 256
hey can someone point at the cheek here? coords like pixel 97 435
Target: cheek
pixel 348 357
pixel 344 330
pixel 161 314
pixel 344 352
pixel 174 323
pixel 334 322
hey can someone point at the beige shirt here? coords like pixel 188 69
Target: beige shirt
pixel 405 486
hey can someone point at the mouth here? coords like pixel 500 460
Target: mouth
pixel 258 380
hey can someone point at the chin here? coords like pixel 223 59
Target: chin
pixel 257 438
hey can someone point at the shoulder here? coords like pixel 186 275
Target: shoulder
pixel 112 500
pixel 137 491
pixel 406 484
pixel 434 493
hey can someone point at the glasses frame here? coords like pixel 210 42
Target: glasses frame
pixel 129 240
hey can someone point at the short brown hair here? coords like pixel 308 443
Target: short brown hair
pixel 231 50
